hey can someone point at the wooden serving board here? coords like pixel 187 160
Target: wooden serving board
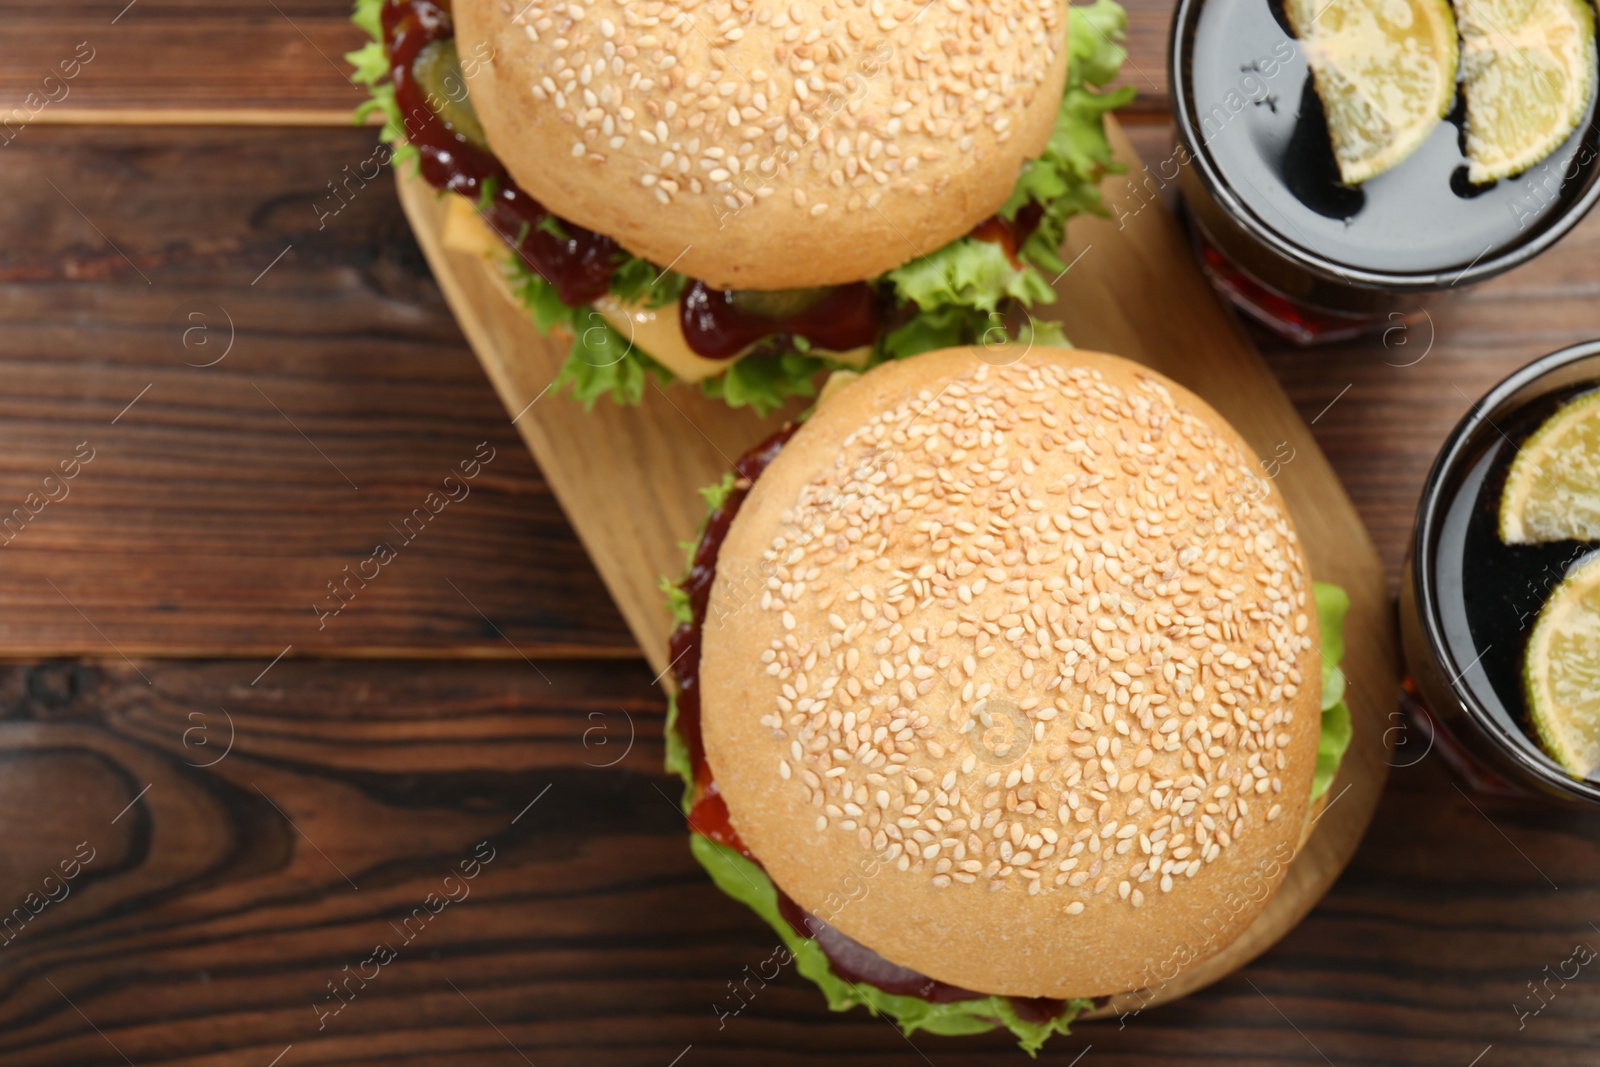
pixel 627 477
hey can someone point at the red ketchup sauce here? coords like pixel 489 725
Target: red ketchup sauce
pixel 708 815
pixel 714 327
pixel 1011 234
pixel 578 264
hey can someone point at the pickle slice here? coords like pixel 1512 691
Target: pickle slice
pixel 437 70
pixel 778 304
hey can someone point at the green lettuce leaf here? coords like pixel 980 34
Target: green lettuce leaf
pixel 638 281
pixel 539 297
pixel 1332 603
pixel 1065 178
pixel 677 758
pixel 955 290
pixel 602 362
pixel 749 884
pixel 975 275
pixel 765 382
pixel 1094 39
pixel 968 273
pixel 677 600
pixel 371 65
pixel 926 331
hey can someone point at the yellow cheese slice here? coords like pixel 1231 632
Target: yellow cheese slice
pixel 465 230
pixel 655 331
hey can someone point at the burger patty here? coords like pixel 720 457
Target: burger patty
pixel 431 93
pixel 708 814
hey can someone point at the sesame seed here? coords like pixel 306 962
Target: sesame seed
pixel 978 548
pixel 910 101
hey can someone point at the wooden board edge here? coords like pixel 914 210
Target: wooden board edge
pixel 691 424
pixel 1370 644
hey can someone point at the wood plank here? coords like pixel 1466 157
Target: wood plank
pixel 629 481
pixel 176 57
pixel 194 61
pixel 79 325
pixel 208 923
pixel 217 507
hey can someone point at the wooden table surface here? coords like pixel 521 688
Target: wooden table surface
pixel 252 795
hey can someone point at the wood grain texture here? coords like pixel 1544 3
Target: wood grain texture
pixel 215 913
pixel 175 57
pixel 628 476
pixel 201 212
pixel 630 485
pixel 220 504
pixel 270 61
pixel 207 925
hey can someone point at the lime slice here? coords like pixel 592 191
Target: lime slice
pixel 1530 72
pixel 1552 491
pixel 1561 672
pixel 1385 71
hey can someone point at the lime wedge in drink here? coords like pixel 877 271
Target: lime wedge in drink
pixel 1561 672
pixel 1529 69
pixel 1552 491
pixel 1385 71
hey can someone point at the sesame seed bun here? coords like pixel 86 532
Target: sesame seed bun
pixel 768 146
pixel 1084 552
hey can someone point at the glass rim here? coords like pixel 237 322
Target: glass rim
pixel 1520 386
pixel 1183 104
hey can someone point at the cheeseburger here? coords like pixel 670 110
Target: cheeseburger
pixel 1001 690
pixel 744 194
